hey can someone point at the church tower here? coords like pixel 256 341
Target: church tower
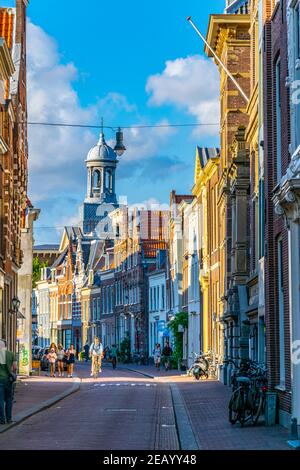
pixel 101 199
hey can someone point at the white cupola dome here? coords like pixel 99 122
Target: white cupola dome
pixel 101 151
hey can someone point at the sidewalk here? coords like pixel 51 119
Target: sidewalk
pixel 207 407
pixel 34 394
pixel 152 372
pixel 203 407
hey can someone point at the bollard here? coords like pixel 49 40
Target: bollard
pixel 271 408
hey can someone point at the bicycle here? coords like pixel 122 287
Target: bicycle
pixel 212 359
pixel 249 385
pixel 96 365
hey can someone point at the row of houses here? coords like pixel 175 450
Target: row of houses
pixel 227 254
pixel 96 287
pixel 17 215
pixel 248 196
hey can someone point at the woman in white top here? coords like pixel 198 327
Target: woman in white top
pixel 60 360
pixel 157 356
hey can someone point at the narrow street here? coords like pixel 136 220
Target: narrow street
pixel 125 410
pixel 119 410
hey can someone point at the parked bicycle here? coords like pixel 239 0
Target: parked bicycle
pixel 213 361
pixel 249 387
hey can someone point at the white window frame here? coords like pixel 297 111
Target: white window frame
pixel 281 313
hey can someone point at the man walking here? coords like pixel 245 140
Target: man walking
pixel 86 351
pixel 114 355
pixel 8 367
pixel 167 353
pixel 96 353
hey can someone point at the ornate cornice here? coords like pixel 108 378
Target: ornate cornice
pixel 287 196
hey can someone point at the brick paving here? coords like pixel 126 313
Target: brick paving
pixel 123 409
pixel 207 406
pixel 119 410
pixel 36 390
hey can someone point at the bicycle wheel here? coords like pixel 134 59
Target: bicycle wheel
pixel 247 409
pixel 259 407
pixel 234 406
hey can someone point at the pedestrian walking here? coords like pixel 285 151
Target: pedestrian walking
pixel 8 371
pixel 70 360
pixel 52 356
pixel 52 346
pixel 114 355
pixel 96 353
pixel 167 353
pixel 86 351
pixel 157 356
pixel 61 357
pixel 106 354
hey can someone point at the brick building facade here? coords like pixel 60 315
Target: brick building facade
pixel 276 151
pixel 229 36
pixel 13 160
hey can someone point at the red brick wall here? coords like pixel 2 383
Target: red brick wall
pixel 275 35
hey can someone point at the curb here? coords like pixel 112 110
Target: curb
pixel 23 415
pixel 145 374
pixel 186 435
pixel 139 372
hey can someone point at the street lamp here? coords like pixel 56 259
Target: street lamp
pixel 15 304
pixel 119 147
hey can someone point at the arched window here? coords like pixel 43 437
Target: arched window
pixel 108 180
pixel 97 179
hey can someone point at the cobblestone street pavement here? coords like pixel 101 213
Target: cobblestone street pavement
pixel 126 410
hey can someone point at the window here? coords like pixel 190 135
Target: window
pixel 278 119
pixel 94 309
pixel 162 296
pixel 261 218
pixel 107 300
pixel 280 311
pixel 98 308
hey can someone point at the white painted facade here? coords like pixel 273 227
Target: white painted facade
pixel 24 329
pixel 193 239
pixel 43 310
pixel 157 309
pixel 176 264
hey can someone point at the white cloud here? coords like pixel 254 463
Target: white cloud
pixel 143 143
pixel 55 153
pixel 191 84
pixel 152 204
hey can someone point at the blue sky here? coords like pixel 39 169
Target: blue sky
pixel 134 62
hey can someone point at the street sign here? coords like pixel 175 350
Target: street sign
pixel 166 333
pixel 161 325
